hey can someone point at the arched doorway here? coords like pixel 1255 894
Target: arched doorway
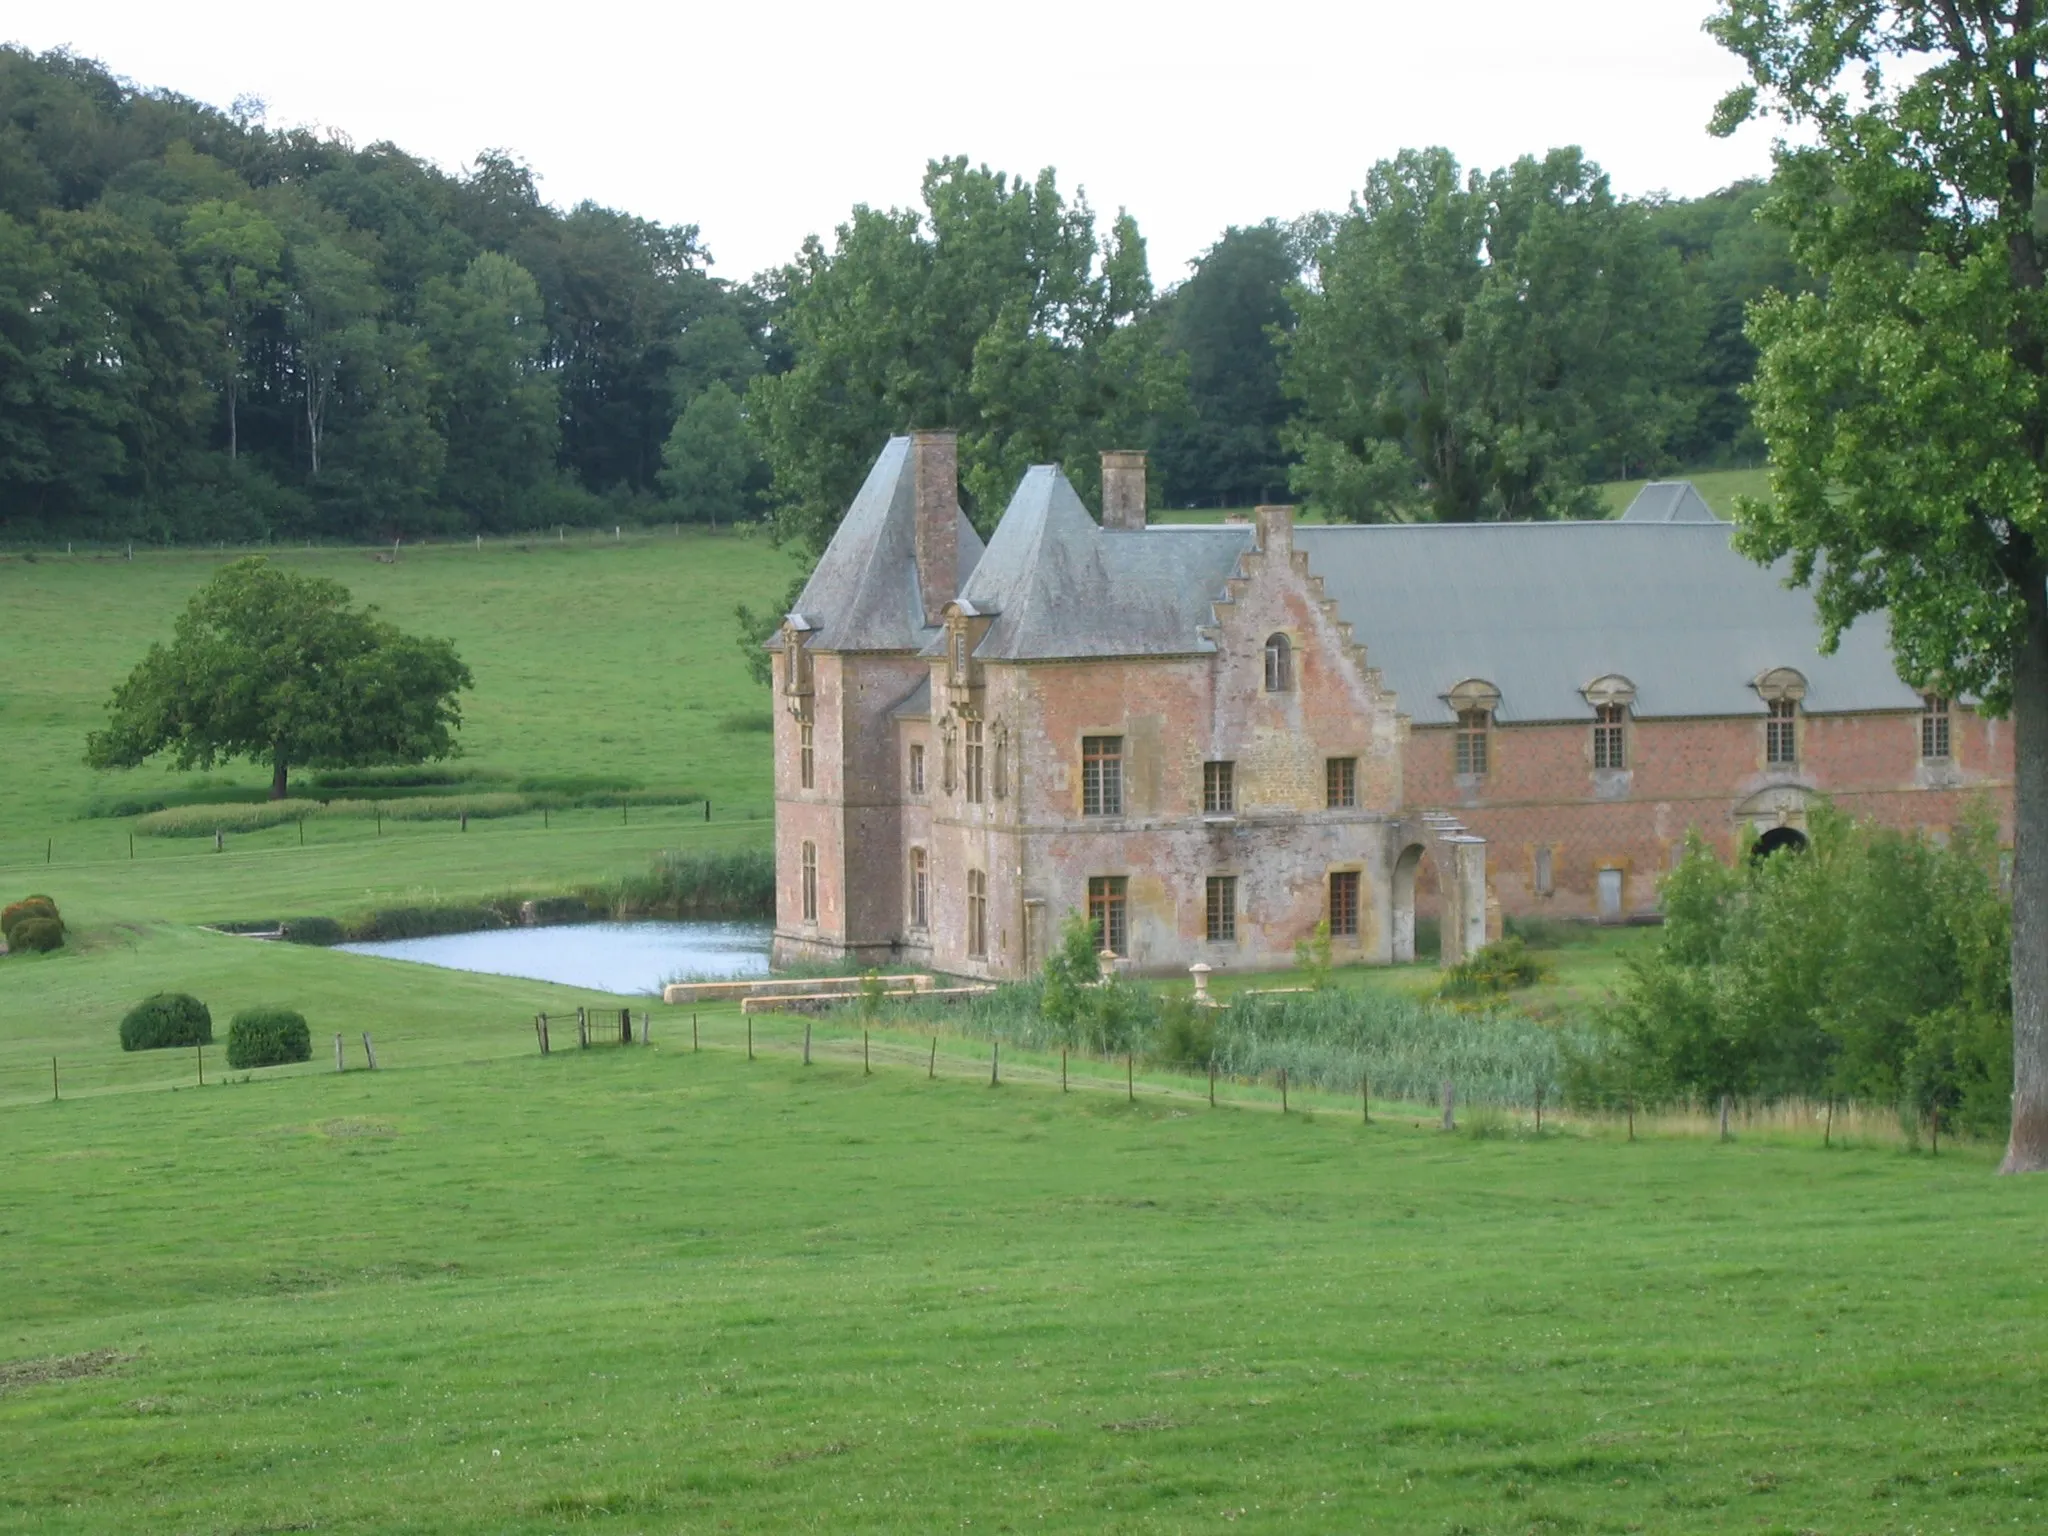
pixel 1779 840
pixel 1403 903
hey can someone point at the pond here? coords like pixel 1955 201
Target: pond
pixel 604 957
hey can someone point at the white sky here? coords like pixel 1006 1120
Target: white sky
pixel 762 124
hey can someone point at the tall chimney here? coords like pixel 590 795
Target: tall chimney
pixel 935 470
pixel 1123 488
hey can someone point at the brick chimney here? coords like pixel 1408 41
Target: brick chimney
pixel 935 471
pixel 1123 488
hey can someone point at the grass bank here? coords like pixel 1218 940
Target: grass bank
pixel 660 1290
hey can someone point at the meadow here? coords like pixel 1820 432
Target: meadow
pixel 670 1289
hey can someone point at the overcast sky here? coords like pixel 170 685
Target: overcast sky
pixel 762 124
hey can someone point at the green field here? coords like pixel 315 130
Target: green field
pixel 658 1289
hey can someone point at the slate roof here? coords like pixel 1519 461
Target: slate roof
pixel 863 596
pixel 1669 501
pixel 1542 609
pixel 1061 587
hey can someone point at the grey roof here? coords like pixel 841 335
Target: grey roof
pixel 916 704
pixel 1060 586
pixel 864 596
pixel 1540 610
pixel 1669 501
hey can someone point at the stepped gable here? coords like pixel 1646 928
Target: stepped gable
pixel 1059 587
pixel 864 594
pixel 1669 501
pixel 1541 610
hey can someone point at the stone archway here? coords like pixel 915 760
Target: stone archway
pixel 1779 840
pixel 1402 906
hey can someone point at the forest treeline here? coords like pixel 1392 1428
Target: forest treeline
pixel 212 329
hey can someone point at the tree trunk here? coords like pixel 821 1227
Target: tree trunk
pixel 278 768
pixel 2027 1152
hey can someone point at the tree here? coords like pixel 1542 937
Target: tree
pixel 710 458
pixel 500 408
pixel 239 253
pixel 277 668
pixel 1224 320
pixel 1482 347
pixel 1906 404
pixel 996 310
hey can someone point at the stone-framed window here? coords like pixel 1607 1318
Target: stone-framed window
pixel 977 914
pixel 1340 783
pixel 1544 876
pixel 809 878
pixel 1219 789
pixel 1220 903
pixel 1610 736
pixel 977 784
pixel 1934 728
pixel 1108 912
pixel 1279 664
pixel 1781 733
pixel 1344 904
pixel 920 889
pixel 806 755
pixel 1471 747
pixel 1102 775
pixel 917 767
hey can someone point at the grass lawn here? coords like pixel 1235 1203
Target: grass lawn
pixel 655 1291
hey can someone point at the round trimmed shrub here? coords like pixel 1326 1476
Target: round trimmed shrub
pixel 268 1037
pixel 27 907
pixel 37 935
pixel 167 1019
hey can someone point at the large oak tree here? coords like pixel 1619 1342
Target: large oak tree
pixel 278 668
pixel 1906 402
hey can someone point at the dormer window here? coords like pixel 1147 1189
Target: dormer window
pixel 1781 689
pixel 1279 664
pixel 1473 703
pixel 796 662
pixel 1612 699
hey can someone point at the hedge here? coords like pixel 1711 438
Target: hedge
pixel 27 907
pixel 268 1037
pixel 36 935
pixel 167 1019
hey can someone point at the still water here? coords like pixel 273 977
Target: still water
pixel 605 957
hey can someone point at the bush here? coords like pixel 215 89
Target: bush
pixel 426 922
pixel 27 907
pixel 165 1020
pixel 1502 966
pixel 36 935
pixel 268 1037
pixel 1186 1037
pixel 311 930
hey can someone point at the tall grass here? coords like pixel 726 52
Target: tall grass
pixel 1326 1040
pixel 738 882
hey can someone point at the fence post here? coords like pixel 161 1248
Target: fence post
pixel 1631 1117
pixel 807 1042
pixel 1724 1117
pixel 995 1059
pixel 865 1069
pixel 199 1056
pixel 55 1096
pixel 694 1043
pixel 1365 1097
pixel 369 1050
pixel 1283 1090
pixel 1130 1080
pixel 582 1030
pixel 1450 1105
pixel 1063 1069
pixel 750 1037
pixel 932 1067
pixel 1539 1109
pixel 646 1034
pixel 1827 1135
pixel 625 1026
pixel 340 1065
pixel 1212 1085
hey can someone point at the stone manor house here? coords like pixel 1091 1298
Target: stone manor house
pixel 1212 738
